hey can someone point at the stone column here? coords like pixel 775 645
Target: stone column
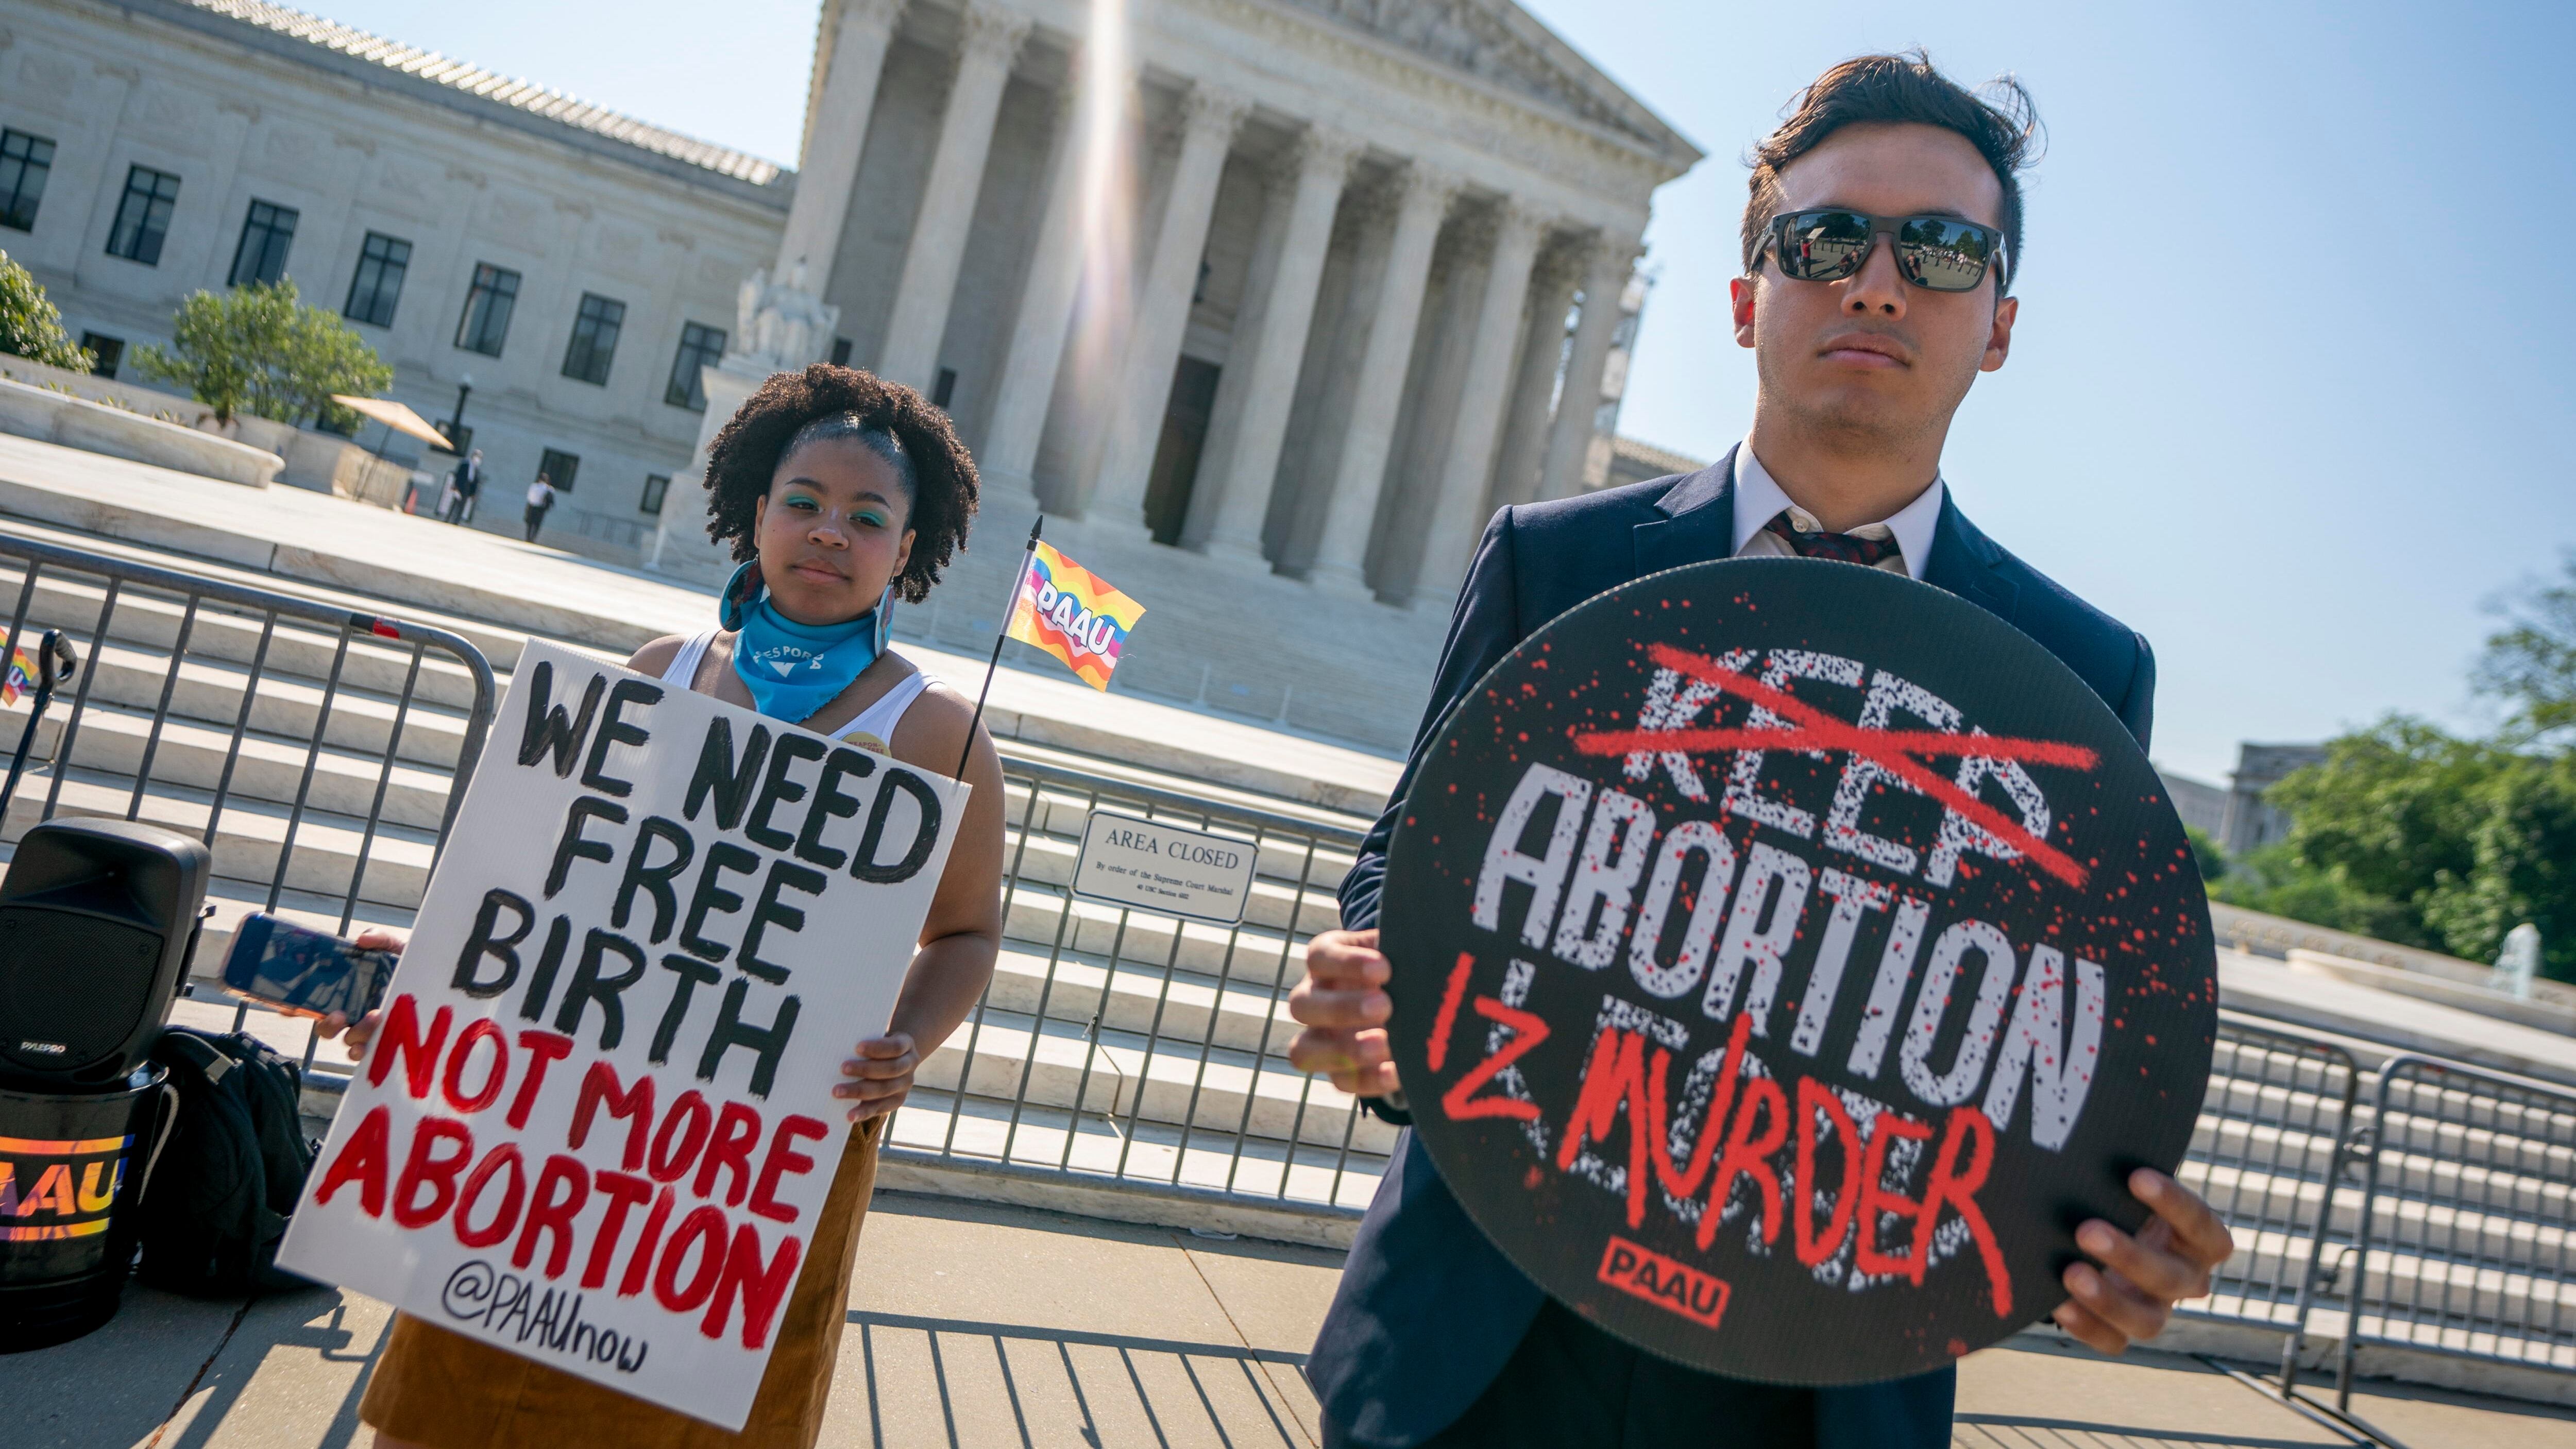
pixel 1246 472
pixel 1477 429
pixel 938 244
pixel 1045 316
pixel 1613 256
pixel 1360 474
pixel 1524 443
pixel 1209 119
pixel 840 134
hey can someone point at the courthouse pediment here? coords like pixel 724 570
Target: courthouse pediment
pixel 1499 42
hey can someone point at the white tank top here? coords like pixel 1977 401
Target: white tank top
pixel 872 730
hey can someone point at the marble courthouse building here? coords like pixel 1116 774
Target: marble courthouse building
pixel 573 263
pixel 1266 303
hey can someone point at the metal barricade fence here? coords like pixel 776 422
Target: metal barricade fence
pixel 2468 1205
pixel 1124 1046
pixel 2268 1153
pixel 320 754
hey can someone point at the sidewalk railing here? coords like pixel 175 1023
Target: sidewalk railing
pixel 2468 1205
pixel 1129 1047
pixel 320 754
pixel 2268 1154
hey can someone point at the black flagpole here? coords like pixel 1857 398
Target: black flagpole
pixel 1019 584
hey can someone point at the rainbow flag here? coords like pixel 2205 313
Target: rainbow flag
pixel 1073 614
pixel 19 679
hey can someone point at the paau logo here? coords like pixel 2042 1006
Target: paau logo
pixel 1665 1282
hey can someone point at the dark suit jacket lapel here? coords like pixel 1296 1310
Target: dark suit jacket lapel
pixel 1964 562
pixel 1697 522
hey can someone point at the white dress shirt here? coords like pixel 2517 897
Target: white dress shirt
pixel 1758 500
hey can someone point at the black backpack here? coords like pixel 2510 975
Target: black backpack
pixel 217 1202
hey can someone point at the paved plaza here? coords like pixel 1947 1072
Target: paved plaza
pixel 975 1325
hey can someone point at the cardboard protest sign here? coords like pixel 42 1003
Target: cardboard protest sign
pixel 1788 957
pixel 596 1127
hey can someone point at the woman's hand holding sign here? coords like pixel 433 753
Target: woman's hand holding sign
pixel 881 1075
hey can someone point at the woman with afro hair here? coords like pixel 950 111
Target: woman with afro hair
pixel 839 494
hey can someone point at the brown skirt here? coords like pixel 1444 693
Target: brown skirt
pixel 447 1391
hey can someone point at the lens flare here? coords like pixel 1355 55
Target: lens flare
pixel 1105 113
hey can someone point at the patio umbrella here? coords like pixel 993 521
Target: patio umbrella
pixel 395 417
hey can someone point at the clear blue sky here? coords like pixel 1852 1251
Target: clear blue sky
pixel 2292 388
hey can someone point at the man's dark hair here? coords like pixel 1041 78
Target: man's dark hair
pixel 2001 122
pixel 888 418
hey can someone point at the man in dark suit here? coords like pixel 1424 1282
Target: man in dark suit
pixel 1879 243
pixel 463 484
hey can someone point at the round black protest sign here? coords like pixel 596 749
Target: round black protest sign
pixel 1788 957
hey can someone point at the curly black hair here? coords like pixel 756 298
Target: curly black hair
pixel 942 473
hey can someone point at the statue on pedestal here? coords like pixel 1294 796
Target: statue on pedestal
pixel 779 326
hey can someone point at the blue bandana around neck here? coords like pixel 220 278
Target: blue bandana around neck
pixel 792 669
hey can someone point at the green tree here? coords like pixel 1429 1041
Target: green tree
pixel 2275 880
pixel 2394 810
pixel 2413 835
pixel 2524 869
pixel 256 349
pixel 2208 854
pixel 2531 664
pixel 29 325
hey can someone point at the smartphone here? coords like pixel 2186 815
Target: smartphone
pixel 304 972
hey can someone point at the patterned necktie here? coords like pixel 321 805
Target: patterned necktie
pixel 1848 547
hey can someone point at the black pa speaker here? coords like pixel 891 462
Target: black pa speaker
pixel 97 921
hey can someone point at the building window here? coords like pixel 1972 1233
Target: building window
pixel 699 348
pixel 594 338
pixel 944 389
pixel 559 467
pixel 377 285
pixel 105 353
pixel 267 231
pixel 840 352
pixel 487 309
pixel 143 216
pixel 656 488
pixel 25 162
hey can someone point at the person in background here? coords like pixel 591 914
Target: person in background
pixel 541 496
pixel 462 484
pixel 1880 243
pixel 839 494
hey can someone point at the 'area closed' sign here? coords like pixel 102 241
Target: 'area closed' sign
pixel 1132 861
